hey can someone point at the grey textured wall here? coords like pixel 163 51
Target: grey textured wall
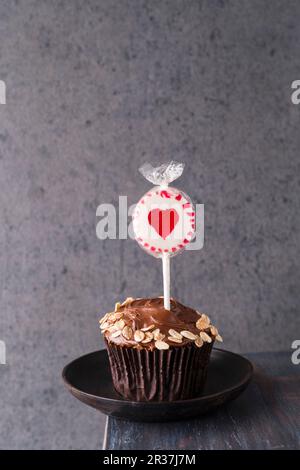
pixel 95 88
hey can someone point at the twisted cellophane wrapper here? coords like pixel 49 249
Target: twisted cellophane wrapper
pixel 164 174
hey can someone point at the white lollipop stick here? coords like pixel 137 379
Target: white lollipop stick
pixel 166 278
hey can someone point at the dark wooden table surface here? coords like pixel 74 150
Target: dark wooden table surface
pixel 265 416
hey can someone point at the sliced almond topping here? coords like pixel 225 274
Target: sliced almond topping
pixel 112 328
pixel 198 342
pixel 105 325
pixel 147 328
pixel 117 306
pixel 127 301
pixel 204 336
pixel 148 337
pixel 174 339
pixel 115 334
pixel 120 324
pixel 188 335
pixel 103 319
pixel 203 322
pixel 115 316
pixel 205 317
pixel 161 345
pixel 219 338
pixel 175 334
pixel 127 332
pixel 157 335
pixel 139 336
pixel 214 331
pixel 109 315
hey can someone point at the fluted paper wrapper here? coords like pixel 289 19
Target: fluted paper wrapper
pixel 162 375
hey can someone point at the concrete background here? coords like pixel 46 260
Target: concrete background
pixel 94 89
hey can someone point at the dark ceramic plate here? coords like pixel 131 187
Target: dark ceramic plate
pixel 88 379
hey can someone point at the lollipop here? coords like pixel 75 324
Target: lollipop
pixel 164 218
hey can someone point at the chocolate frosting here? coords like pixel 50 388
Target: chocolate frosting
pixel 140 314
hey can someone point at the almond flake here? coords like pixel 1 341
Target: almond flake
pixel 139 336
pixel 115 316
pixel 188 335
pixel 203 322
pixel 161 345
pixel 117 306
pixel 175 334
pixel 219 338
pixel 174 339
pixel 103 319
pixel 120 324
pixel 205 317
pixel 105 325
pixel 115 334
pixel 127 301
pixel 198 342
pixel 148 337
pixel 214 331
pixel 110 314
pixel 112 328
pixel 127 332
pixel 147 328
pixel 204 336
pixel 157 335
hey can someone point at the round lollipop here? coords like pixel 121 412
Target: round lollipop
pixel 164 218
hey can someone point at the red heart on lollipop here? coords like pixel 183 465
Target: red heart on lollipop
pixel 163 221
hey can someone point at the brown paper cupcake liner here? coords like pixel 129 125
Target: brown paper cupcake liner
pixel 162 375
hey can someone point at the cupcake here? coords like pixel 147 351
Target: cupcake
pixel 158 354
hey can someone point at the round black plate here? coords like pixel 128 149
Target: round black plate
pixel 88 378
